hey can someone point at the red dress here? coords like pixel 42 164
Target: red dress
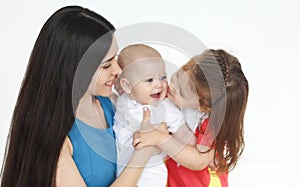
pixel 179 176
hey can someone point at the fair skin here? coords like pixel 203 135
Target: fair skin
pixel 173 95
pixel 150 90
pixel 187 155
pixel 177 94
pixel 90 111
pixel 68 175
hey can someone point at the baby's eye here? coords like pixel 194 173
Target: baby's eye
pixel 163 78
pixel 149 80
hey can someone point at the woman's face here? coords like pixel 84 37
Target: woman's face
pixel 107 73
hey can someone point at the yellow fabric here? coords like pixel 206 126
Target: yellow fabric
pixel 214 179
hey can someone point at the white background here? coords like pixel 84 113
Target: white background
pixel 263 34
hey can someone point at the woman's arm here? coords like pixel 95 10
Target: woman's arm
pixel 132 172
pixel 187 155
pixel 67 174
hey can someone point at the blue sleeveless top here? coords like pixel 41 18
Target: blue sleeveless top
pixel 94 150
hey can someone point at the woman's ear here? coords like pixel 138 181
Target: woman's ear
pixel 125 85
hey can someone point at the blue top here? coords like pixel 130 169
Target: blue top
pixel 94 150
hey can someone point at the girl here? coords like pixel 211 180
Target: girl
pixel 214 85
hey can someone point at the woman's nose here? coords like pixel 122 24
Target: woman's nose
pixel 116 68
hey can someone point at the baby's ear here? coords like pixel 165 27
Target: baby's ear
pixel 125 85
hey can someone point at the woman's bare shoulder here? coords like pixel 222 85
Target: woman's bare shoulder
pixel 67 147
pixel 67 173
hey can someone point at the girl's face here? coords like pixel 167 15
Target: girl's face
pixel 106 74
pixel 173 95
pixel 182 91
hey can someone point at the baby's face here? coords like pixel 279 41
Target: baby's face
pixel 150 90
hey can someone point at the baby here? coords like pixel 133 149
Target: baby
pixel 144 82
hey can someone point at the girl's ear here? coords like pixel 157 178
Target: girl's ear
pixel 125 85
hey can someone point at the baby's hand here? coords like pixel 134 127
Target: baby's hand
pixel 118 87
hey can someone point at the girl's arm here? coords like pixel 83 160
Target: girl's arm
pixel 187 155
pixel 185 135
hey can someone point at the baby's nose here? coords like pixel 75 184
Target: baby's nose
pixel 158 83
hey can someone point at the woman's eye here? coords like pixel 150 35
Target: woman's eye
pixel 106 66
pixel 149 80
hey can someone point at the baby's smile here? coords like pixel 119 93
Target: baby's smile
pixel 156 95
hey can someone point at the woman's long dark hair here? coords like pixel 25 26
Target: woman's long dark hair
pixel 43 114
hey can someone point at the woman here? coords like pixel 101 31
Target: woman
pixel 57 111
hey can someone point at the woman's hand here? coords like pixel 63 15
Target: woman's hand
pixel 150 135
pixel 132 172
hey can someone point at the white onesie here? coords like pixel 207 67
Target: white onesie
pixel 127 120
